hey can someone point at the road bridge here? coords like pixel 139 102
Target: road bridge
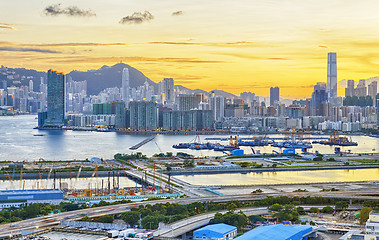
pixel 54 219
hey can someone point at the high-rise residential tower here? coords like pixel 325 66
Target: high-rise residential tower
pixel 332 75
pixel 349 91
pixel 168 90
pixel 56 84
pixel 125 85
pixel 274 95
pixel 217 105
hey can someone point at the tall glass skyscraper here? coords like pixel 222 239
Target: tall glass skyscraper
pixel 125 85
pixel 56 83
pixel 332 75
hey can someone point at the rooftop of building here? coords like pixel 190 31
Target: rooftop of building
pixel 29 191
pixel 277 232
pixel 219 228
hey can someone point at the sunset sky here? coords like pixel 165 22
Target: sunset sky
pixel 236 46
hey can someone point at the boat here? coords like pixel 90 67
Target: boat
pixel 336 139
pixel 38 135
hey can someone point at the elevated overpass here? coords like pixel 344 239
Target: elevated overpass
pixel 54 219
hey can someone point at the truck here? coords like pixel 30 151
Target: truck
pixel 112 233
pixel 125 233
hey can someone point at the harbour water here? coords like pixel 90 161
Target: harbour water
pixel 283 177
pixel 19 142
pixel 74 183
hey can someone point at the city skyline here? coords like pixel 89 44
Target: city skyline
pixel 190 43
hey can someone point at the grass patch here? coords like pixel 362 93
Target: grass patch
pixel 365 160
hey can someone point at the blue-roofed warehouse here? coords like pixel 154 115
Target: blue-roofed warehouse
pixel 218 231
pixel 279 232
pixel 14 198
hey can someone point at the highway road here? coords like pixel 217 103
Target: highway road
pixel 54 219
pixel 183 226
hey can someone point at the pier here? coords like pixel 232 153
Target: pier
pixel 140 144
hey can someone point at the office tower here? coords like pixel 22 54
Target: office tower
pixel 143 115
pixel 274 96
pixel 361 89
pixel 31 89
pixel 319 98
pixel 168 90
pixel 349 90
pixel 125 85
pixel 217 105
pixel 189 101
pixel 373 90
pixel 332 75
pixel 56 83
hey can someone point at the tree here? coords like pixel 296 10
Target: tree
pixel 276 207
pixel 364 215
pixel 289 213
pixel 130 217
pixel 314 210
pixel 327 209
pixel 104 219
pixel 300 210
pixel 187 163
pixel 86 219
pixel 341 205
pixel 256 218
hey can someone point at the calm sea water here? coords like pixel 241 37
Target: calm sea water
pixel 18 143
pixel 283 177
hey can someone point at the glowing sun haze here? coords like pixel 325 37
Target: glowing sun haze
pixel 236 46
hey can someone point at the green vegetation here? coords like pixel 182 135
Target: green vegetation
pixel 102 219
pixel 314 210
pixel 327 209
pixel 364 215
pixel 256 218
pixel 329 190
pixel 188 163
pixel 288 213
pixel 365 160
pixel 235 219
pixel 133 156
pixel 342 205
pixel 257 191
pixel 248 164
pixel 301 190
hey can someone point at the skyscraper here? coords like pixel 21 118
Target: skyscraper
pixel 168 90
pixel 217 105
pixel 56 83
pixel 125 85
pixel 274 95
pixel 332 75
pixel 372 91
pixel 319 97
pixel 349 91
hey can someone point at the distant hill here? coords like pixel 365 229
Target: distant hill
pixel 110 76
pixel 98 79
pixel 217 92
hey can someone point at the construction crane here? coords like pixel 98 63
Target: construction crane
pixel 10 179
pixel 77 176
pixel 93 174
pixel 21 178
